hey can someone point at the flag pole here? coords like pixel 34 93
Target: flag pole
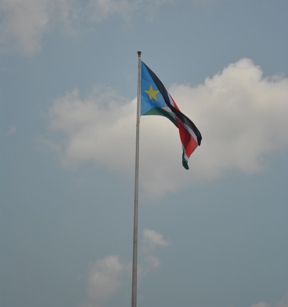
pixel 135 230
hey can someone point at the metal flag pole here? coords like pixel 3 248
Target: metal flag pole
pixel 135 232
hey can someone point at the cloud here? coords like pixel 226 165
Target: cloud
pixel 103 278
pixel 97 128
pixel 282 303
pixel 153 238
pixel 102 9
pixel 107 275
pixel 23 23
pixel 241 115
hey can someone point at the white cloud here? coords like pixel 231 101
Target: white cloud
pixel 241 115
pixel 97 128
pixel 23 23
pixel 104 278
pixel 101 9
pixel 153 238
pixel 282 303
pixel 107 275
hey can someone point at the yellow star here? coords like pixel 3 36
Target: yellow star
pixel 152 93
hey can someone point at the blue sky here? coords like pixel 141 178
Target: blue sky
pixel 215 235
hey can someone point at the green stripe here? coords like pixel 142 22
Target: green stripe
pixel 161 112
pixel 184 162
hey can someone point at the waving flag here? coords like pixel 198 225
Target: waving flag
pixel 155 100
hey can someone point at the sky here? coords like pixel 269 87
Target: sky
pixel 212 236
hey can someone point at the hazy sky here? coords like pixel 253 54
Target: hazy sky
pixel 213 236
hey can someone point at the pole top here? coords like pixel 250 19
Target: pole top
pixel 139 53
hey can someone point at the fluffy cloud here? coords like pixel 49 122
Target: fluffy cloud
pixel 104 278
pixel 97 128
pixel 24 22
pixel 108 274
pixel 241 115
pixel 153 238
pixel 282 303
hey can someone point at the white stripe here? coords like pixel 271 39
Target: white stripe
pixel 189 130
pixel 167 109
pixel 171 100
pixel 185 126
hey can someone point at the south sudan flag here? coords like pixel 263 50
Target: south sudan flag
pixel 155 100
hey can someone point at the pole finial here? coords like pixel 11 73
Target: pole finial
pixel 139 53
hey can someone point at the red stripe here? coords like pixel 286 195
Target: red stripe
pixel 174 103
pixel 187 139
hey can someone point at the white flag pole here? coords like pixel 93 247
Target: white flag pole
pixel 135 232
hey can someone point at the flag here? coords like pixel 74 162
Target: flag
pixel 155 100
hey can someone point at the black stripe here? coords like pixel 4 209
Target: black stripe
pixel 178 113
